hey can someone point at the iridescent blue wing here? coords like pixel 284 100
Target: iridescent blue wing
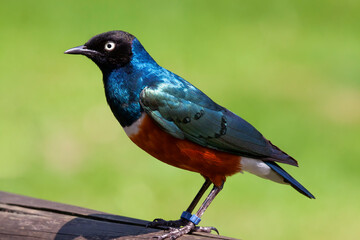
pixel 187 113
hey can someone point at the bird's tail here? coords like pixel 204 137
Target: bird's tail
pixel 287 178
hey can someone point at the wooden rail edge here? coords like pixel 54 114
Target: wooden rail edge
pixel 24 217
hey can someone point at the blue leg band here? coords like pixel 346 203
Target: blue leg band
pixel 192 218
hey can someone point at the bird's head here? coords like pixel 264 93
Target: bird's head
pixel 108 50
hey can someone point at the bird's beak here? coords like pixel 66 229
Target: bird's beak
pixel 79 50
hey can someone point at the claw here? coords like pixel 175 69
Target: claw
pixel 175 229
pixel 205 229
pixel 188 228
pixel 178 232
pixel 214 229
pixel 159 222
pixel 153 223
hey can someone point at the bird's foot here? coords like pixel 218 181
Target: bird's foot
pixel 188 228
pixel 158 222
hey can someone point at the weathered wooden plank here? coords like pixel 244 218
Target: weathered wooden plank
pixel 29 218
pixel 34 203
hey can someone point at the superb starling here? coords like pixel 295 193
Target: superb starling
pixel 178 124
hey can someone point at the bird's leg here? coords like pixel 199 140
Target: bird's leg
pixel 182 221
pixel 191 225
pixel 198 196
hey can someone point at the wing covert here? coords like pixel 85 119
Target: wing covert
pixel 190 114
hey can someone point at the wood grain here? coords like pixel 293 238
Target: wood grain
pixel 24 217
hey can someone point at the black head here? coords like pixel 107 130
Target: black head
pixel 108 50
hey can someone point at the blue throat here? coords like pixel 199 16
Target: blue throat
pixel 123 85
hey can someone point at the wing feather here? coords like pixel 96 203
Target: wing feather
pixel 190 114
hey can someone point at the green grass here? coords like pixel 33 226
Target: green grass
pixel 289 68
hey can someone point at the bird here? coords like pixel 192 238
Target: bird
pixel 178 124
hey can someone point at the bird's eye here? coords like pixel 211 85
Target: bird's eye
pixel 109 46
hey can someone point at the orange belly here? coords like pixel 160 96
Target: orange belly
pixel 210 163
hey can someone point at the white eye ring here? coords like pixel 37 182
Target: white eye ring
pixel 109 46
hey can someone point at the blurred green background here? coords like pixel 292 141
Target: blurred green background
pixel 289 68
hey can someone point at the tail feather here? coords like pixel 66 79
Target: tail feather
pixel 287 178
